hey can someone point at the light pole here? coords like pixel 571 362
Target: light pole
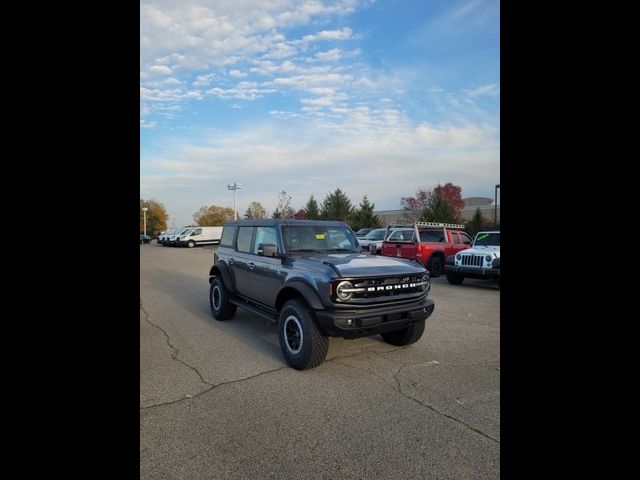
pixel 234 186
pixel 144 212
pixel 496 205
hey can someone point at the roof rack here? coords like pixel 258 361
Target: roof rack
pixel 425 224
pixel 432 224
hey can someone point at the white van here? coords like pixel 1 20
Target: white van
pixel 199 236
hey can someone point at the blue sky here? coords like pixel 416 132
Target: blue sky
pixel 374 97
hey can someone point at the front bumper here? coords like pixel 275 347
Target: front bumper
pixel 473 272
pixel 374 320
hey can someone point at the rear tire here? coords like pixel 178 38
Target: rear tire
pixel 435 266
pixel 406 336
pixel 303 344
pixel 221 308
pixel 454 278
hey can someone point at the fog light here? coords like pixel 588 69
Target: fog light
pixel 349 322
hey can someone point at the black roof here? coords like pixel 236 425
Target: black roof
pixel 273 222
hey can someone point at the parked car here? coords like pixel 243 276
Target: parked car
pixel 301 275
pixel 428 242
pixel 372 241
pixel 362 232
pixel 482 260
pixel 144 239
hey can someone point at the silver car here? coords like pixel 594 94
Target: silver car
pixel 372 241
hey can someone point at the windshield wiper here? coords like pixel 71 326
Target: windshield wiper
pixel 306 250
pixel 340 250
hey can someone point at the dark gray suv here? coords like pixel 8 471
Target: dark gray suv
pixel 311 278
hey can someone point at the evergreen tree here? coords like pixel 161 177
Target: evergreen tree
pixel 476 224
pixel 363 217
pixel 438 209
pixel 313 212
pixel 336 206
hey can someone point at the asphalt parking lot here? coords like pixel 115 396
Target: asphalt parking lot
pixel 218 401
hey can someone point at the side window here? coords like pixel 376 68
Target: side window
pixel 264 235
pixel 244 239
pixel 197 231
pixel 465 237
pixel 395 236
pixel 456 237
pixel 228 234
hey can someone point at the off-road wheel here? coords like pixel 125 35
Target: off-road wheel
pixel 303 344
pixel 435 266
pixel 221 308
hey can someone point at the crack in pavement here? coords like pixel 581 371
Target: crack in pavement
pixel 174 355
pixel 211 385
pixel 406 395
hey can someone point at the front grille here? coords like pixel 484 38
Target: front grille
pixel 384 289
pixel 471 260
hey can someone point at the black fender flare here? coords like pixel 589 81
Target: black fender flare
pixel 222 269
pixel 302 287
pixel 496 263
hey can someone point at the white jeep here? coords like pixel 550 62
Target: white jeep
pixel 482 260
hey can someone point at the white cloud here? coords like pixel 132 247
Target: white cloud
pixel 329 55
pixel 317 156
pixel 249 35
pixel 491 90
pixel 160 70
pixel 243 91
pixel 342 34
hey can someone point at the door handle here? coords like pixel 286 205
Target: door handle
pixel 251 265
pixel 232 261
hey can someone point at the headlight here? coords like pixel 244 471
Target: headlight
pixel 458 256
pixel 488 258
pixel 342 295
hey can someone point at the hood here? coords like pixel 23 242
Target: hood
pixel 493 250
pixel 364 265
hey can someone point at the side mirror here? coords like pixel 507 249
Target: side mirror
pixel 267 250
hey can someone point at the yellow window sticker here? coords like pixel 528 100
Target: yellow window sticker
pixel 319 236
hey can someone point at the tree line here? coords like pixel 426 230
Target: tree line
pixel 442 203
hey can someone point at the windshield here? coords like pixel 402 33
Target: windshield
pixel 377 234
pixel 485 238
pixel 319 238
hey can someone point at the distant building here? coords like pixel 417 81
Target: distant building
pixel 471 204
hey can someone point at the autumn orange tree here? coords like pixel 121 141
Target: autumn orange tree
pixel 213 215
pixel 157 216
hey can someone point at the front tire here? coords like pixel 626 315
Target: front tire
pixel 303 344
pixel 406 336
pixel 435 266
pixel 221 308
pixel 454 278
pixel 191 244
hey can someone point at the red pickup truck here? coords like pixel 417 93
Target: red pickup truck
pixel 429 243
